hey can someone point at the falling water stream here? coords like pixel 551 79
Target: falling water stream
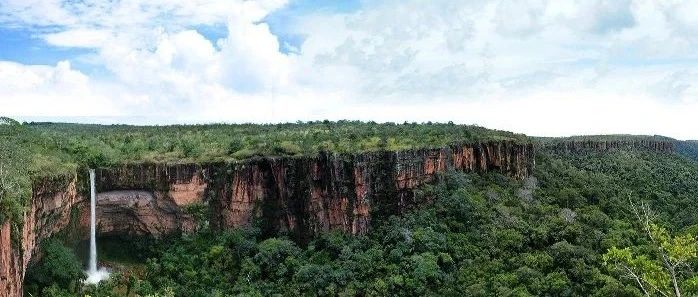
pixel 94 275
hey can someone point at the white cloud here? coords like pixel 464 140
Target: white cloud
pixel 539 67
pixel 50 90
pixel 250 57
pixel 86 38
pixel 123 14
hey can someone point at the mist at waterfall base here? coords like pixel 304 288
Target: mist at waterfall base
pixel 94 274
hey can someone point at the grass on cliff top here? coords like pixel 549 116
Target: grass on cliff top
pixel 106 145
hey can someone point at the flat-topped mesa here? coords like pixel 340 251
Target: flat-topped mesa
pixel 585 145
pixel 300 196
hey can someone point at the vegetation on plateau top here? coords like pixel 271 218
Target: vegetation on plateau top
pixel 30 150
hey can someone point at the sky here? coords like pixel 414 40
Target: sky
pixel 544 68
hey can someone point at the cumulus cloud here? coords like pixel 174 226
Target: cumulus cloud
pixel 152 52
pixel 534 66
pixel 49 90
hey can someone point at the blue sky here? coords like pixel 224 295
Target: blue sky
pixel 539 67
pixel 23 45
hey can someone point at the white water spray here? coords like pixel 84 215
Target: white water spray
pixel 94 275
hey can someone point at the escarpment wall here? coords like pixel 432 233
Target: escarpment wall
pixel 299 196
pixel 660 146
pixel 54 206
pixel 11 271
pixel 307 195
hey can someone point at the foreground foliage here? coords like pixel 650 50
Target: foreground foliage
pixel 58 274
pixel 665 269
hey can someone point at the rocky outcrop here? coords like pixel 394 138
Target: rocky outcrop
pixel 140 213
pixel 11 272
pixel 299 196
pixel 54 207
pixel 573 145
pixel 149 199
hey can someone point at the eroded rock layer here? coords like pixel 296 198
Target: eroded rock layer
pixel 149 199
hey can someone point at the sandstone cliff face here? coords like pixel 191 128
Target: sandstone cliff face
pixel 52 209
pixel 299 196
pixel 308 195
pixel 660 146
pixel 139 213
pixel 11 272
pixel 154 208
pixel 148 199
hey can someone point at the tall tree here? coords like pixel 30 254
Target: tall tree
pixel 665 269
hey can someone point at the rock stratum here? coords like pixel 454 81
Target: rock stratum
pixel 298 196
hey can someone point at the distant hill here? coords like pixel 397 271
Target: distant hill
pixel 688 148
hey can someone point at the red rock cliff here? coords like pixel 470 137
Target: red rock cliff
pixel 306 195
pixel 51 211
pixel 133 200
pixel 148 199
pixel 301 196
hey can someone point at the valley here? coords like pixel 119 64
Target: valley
pixel 463 210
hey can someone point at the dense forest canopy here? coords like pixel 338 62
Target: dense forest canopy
pixel 553 141
pixel 609 137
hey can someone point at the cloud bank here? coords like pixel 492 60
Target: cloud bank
pixel 538 67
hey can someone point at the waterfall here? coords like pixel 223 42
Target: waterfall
pixel 92 269
pixel 94 275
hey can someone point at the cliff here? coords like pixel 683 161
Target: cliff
pixel 53 208
pixel 584 145
pixel 305 196
pixel 298 196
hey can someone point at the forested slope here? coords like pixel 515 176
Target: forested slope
pixel 688 148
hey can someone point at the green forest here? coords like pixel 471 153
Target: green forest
pixel 617 223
